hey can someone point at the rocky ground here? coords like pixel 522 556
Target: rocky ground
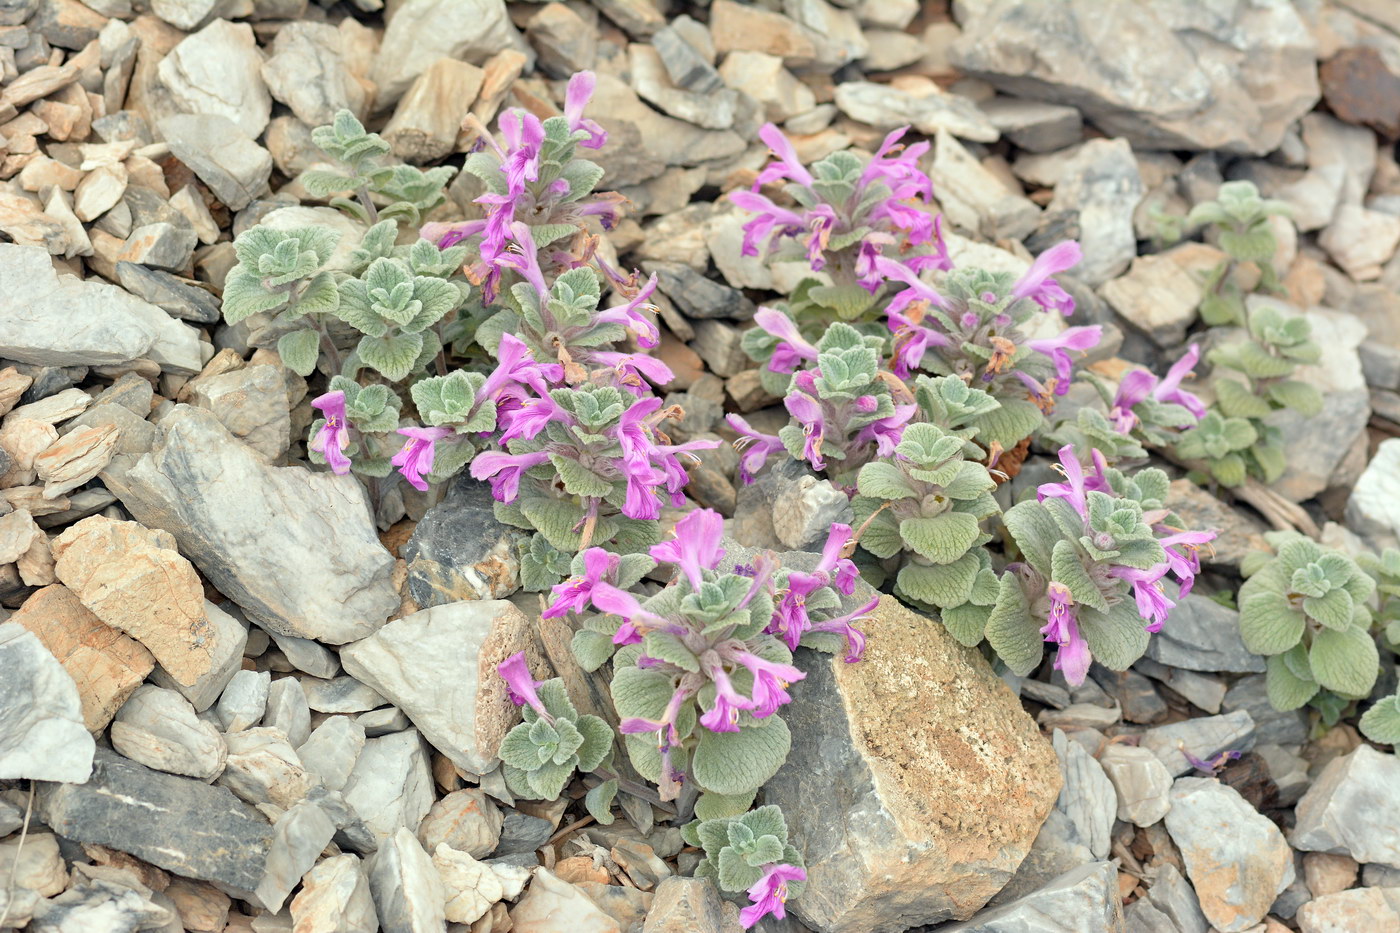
pixel 232 699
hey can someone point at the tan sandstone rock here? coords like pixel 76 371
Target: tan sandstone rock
pixel 134 579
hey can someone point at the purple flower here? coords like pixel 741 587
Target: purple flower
pixel 523 133
pixel 1152 602
pixel 334 436
pixel 1212 765
pixel 916 289
pixel 790 620
pixel 695 548
pixel 886 432
pixel 724 715
pixel 755 448
pixel 1169 389
pixel 529 418
pixel 767 218
pixel 770 682
pixel 788 166
pixel 793 349
pixel 632 316
pixel 520 686
pixel 1076 487
pixel 517 367
pixel 574 594
pixel 834 559
pixel 845 626
pixel 1183 555
pixel 610 599
pixel 576 97
pixel 1139 384
pixel 667 734
pixel 504 470
pixel 416 457
pixel 641 501
pixel 1058 347
pixel 1062 628
pixel 770 893
pixel 808 412
pixel 632 367
pixel 523 256
pixel 1037 284
pixel 897 166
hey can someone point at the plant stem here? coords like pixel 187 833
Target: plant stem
pixel 368 204
pixel 635 789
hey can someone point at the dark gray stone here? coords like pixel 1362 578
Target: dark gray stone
pixel 1271 727
pixel 169 293
pixel 460 551
pixel 1084 900
pixel 121 126
pixel 182 825
pixel 15 12
pixel 697 295
pixel 522 834
pixel 1203 737
pixel 1202 635
pixel 48 380
pixel 100 905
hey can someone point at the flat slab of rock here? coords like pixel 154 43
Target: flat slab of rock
pixel 182 825
pixel 42 736
pixel 1353 808
pixel 1203 76
pixel 916 783
pixel 53 320
pixel 323 576
pixel 1202 635
pixel 439 666
pixel 1083 900
pixel 1236 857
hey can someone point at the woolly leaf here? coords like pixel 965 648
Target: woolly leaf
pixel 848 301
pixel 1345 661
pixel 597 742
pixel 1286 690
pixel 1011 631
pixel 392 355
pixel 1300 396
pixel 641 694
pixel 1068 569
pixel 712 806
pixel 1381 723
pixel 592 649
pixel 299 350
pixel 1228 470
pixel 548 779
pixel 668 647
pixel 941 539
pixel 1035 532
pixel 319 296
pixel 1268 624
pixel 735 874
pixel 737 762
pixel 245 296
pixel 517 750
pixel 1117 637
pixel 1237 401
pixel 1009 424
pixel 578 479
pixel 967 622
pixel 1333 609
pixel 599 801
pixel 884 481
pixel 555 519
pixel 946 585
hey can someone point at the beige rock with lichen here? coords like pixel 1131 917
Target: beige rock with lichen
pixel 134 579
pixel 105 664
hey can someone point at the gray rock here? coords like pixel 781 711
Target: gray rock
pixel 192 14
pixel 1157 296
pixel 391 785
pixel 1084 900
pixel 687 67
pixel 685 905
pixel 287 710
pixel 42 735
pixel 343 694
pixel 1353 808
pixel 698 295
pixel 522 834
pixel 244 700
pixel 1271 727
pixel 975 198
pixel 1142 917
pixel 1058 848
pixel 1101 187
pixel 1087 796
pixel 1202 690
pixel 856 792
pixel 298 838
pixel 1380 876
pixel 224 157
pixel 227 637
pixel 422 31
pixel 1141 781
pixel 217 72
pixel 468 821
pixel 1034 125
pixel 161 246
pixel 886 107
pixel 227 511
pixel 351 832
pixel 169 293
pixel 1361 908
pixel 335 896
pixel 439 666
pixel 1203 737
pixel 1203 76
pixel 180 824
pixel 805 509
pixel 306 71
pixel 308 656
pixel 459 550
pixel 1237 859
pixel 159 729
pixel 1373 509
pixel 408 893
pixel 263 769
pixel 332 749
pixel 1202 635
pixel 64 321
pixel 100 905
pixel 1172 894
pixel 1136 696
pixel 1288 771
pixel 1237 532
pixel 252 403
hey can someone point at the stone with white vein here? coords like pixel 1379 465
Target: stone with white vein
pixel 42 736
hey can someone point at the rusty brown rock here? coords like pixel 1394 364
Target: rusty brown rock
pixel 105 664
pixel 1360 88
pixel 134 579
pixel 76 458
pixel 916 783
